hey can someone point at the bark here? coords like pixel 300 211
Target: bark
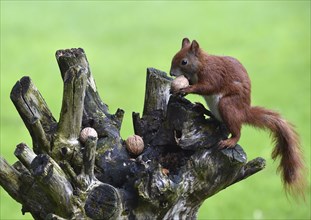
pixel 64 177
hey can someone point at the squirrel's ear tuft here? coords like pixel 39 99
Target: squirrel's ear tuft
pixel 185 42
pixel 195 47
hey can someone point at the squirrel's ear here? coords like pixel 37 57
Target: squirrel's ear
pixel 185 42
pixel 195 47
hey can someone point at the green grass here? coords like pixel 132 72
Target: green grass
pixel 122 39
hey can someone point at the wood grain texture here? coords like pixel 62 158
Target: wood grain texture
pixel 65 178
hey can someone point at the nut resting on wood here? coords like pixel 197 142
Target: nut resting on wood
pixel 178 83
pixel 87 132
pixel 135 144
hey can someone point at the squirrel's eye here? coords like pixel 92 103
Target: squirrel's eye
pixel 184 62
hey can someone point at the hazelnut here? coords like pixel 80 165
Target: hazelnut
pixel 178 83
pixel 165 171
pixel 87 132
pixel 134 144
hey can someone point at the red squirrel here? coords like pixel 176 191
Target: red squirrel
pixel 226 87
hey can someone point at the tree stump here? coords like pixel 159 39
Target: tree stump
pixel 95 177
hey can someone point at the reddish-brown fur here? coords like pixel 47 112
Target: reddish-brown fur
pixel 226 78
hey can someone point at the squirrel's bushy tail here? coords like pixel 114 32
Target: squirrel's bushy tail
pixel 287 147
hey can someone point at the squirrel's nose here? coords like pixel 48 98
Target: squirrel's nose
pixel 172 73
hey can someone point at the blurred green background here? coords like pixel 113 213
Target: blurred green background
pixel 122 39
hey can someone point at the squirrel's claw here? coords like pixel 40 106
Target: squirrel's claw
pixel 183 92
pixel 177 92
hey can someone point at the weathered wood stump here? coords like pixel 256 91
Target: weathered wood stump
pixel 65 177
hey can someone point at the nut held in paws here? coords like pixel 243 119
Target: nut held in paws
pixel 134 144
pixel 86 132
pixel 178 83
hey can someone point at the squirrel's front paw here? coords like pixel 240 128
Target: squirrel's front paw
pixel 178 92
pixel 185 91
pixel 181 92
pixel 178 84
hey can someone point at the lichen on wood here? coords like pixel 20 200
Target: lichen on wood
pixel 96 177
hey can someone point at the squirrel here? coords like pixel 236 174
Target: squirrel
pixel 225 85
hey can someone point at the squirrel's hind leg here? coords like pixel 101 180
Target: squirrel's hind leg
pixel 231 115
pixel 228 143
